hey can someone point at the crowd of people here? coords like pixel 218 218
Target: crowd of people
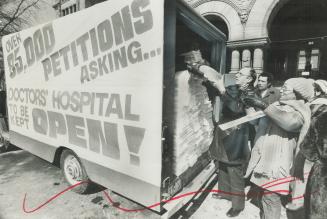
pixel 283 155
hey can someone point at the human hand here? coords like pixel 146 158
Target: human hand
pixel 255 102
pixel 193 68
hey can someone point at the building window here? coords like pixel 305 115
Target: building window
pixel 301 62
pixel 69 10
pixel 315 59
pixel 312 60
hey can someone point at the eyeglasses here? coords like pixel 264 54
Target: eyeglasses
pixel 285 89
pixel 241 74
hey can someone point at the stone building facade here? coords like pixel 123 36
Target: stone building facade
pixel 285 37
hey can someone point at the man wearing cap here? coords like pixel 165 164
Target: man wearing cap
pixel 230 148
pixel 233 151
pixel 278 136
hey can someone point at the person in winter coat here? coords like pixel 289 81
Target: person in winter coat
pixel 265 90
pixel 233 151
pixel 314 148
pixel 302 166
pixel 275 144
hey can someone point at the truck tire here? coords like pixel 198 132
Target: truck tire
pixel 74 172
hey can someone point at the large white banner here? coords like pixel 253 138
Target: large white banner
pixel 93 81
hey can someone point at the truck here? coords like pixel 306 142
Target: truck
pixel 94 92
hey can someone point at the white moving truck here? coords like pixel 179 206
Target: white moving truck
pixel 93 93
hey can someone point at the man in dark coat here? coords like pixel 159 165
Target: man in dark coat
pixel 314 148
pixel 233 150
pixel 265 90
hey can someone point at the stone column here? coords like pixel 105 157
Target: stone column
pixel 258 60
pixel 235 61
pixel 246 58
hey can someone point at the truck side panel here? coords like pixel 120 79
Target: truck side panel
pixel 92 81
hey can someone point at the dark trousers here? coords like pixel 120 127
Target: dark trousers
pixel 271 205
pixel 231 184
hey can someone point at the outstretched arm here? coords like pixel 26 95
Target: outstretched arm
pixel 290 120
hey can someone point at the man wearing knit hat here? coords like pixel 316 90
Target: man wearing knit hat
pixel 313 147
pixel 276 140
pixel 301 165
pixel 320 87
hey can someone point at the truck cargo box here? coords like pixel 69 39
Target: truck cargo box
pixel 107 83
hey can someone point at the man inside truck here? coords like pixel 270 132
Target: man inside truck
pixel 231 147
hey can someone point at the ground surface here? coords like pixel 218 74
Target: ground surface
pixel 22 172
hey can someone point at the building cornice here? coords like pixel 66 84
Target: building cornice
pixel 249 42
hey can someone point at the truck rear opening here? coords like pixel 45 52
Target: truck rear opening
pixel 188 109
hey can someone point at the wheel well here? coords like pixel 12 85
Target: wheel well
pixel 56 160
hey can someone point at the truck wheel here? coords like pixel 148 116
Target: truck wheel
pixel 74 171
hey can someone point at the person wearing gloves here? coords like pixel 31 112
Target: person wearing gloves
pixel 276 141
pixel 314 148
pixel 230 149
pixel 233 151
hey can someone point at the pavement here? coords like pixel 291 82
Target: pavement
pixel 23 173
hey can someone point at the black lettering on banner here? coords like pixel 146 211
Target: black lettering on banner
pixel 57 124
pixel 55 63
pixel 84 74
pixel 38 44
pixel 19 115
pixel 120 58
pixel 47 68
pixel 105 35
pixel 101 97
pixel 114 106
pixel 106 137
pixel 13 42
pixel 145 22
pixel 122 25
pixel 102 66
pixel 94 42
pixel 64 53
pixel 28 95
pixel 134 52
pixel 49 38
pixel 97 136
pixel 74 53
pixel 76 129
pixel 111 149
pixel 15 63
pixel 40 122
pixel 128 106
pixel 93 69
pixel 134 139
pixel 29 51
pixel 75 104
pixel 10 62
pixel 81 42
